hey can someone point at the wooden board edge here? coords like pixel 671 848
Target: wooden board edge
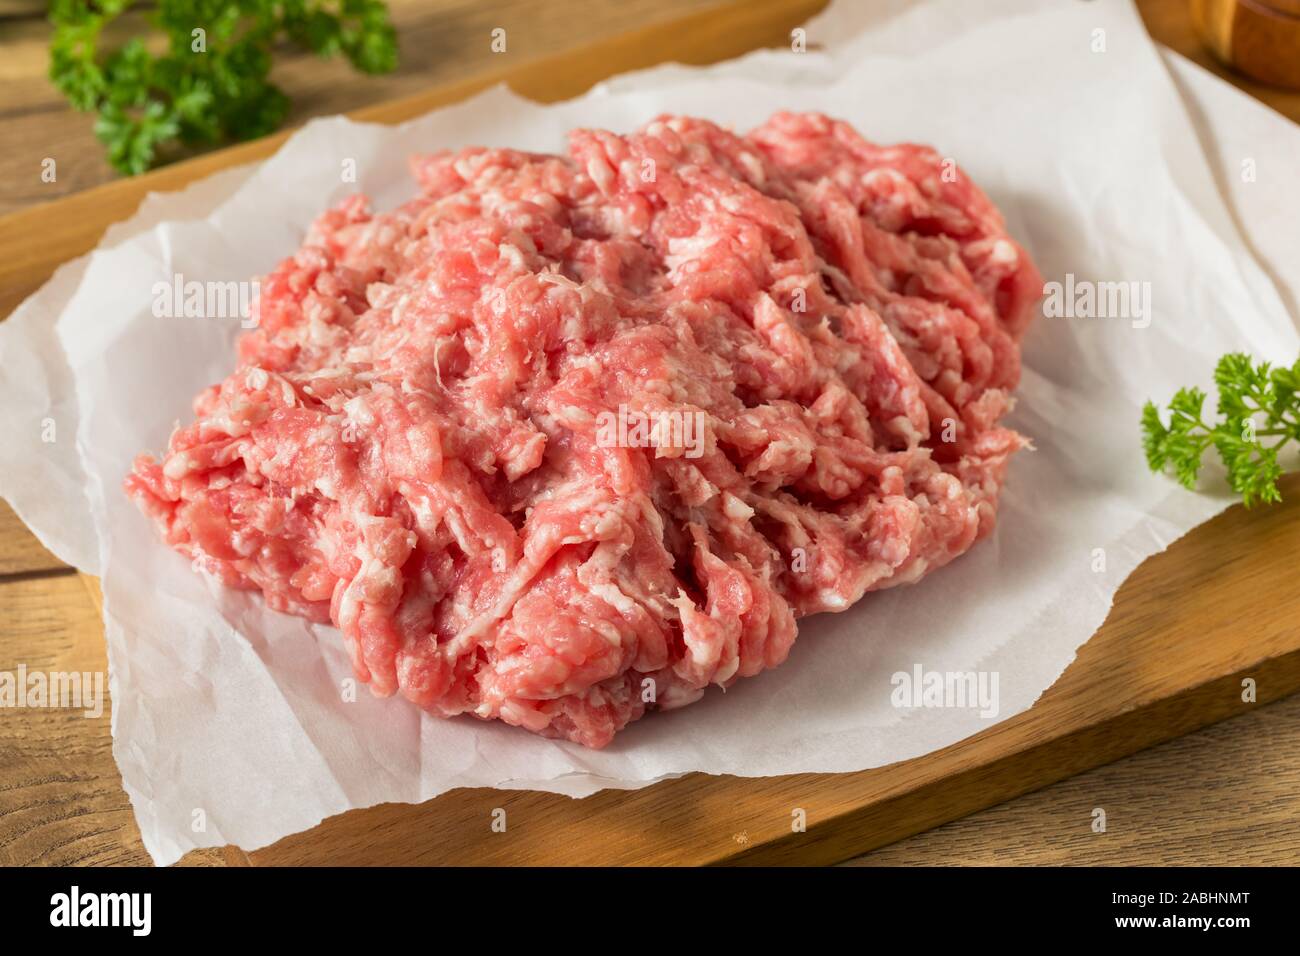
pixel 94 590
pixel 21 552
pixel 934 804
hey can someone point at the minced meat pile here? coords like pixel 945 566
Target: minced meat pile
pixel 570 437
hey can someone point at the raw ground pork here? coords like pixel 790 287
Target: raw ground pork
pixel 409 446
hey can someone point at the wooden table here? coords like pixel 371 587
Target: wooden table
pixel 1226 794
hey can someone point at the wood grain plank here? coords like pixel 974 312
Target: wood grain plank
pixel 61 797
pixel 20 552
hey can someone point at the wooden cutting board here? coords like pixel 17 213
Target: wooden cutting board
pixel 1187 628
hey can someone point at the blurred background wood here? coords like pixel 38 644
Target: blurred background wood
pixel 1170 22
pixel 1225 794
pixel 1260 38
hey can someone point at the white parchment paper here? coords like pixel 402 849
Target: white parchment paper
pixel 1110 163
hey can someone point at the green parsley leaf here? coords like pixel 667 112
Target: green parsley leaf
pixel 202 75
pixel 1259 414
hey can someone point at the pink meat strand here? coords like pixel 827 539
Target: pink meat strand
pixel 411 444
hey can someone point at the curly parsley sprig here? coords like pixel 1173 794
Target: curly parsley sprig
pixel 209 82
pixel 1259 412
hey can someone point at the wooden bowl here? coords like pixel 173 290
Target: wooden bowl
pixel 1260 38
